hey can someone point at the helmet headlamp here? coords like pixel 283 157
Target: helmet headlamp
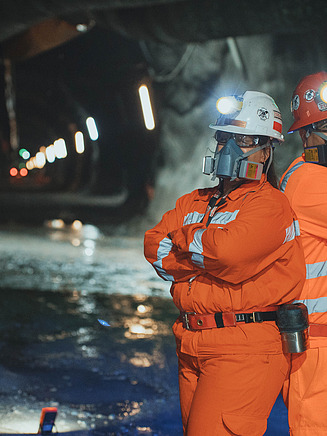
pixel 321 97
pixel 229 105
pixel 323 92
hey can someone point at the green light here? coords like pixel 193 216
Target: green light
pixel 25 154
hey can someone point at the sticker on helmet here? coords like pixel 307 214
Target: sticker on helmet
pixel 263 114
pixel 277 115
pixel 295 103
pixel 309 95
pixel 322 106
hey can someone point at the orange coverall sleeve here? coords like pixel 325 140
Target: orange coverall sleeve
pixel 242 248
pixel 169 263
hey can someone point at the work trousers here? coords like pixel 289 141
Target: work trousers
pixel 305 393
pixel 229 394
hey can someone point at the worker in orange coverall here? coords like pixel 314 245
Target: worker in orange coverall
pixel 233 255
pixel 305 185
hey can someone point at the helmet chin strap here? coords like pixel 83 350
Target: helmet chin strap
pixel 320 134
pixel 270 158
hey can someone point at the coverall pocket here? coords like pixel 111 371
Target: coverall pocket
pixel 245 425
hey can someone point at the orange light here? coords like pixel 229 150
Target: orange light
pixel 13 172
pixel 23 172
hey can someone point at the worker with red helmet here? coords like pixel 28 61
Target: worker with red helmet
pixel 233 255
pixel 305 185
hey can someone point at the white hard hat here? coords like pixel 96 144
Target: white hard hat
pixel 253 113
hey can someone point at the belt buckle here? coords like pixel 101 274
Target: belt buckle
pixel 186 320
pixel 259 320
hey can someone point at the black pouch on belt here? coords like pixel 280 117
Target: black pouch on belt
pixel 293 323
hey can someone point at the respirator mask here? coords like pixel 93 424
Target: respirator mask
pixel 231 162
pixel 318 153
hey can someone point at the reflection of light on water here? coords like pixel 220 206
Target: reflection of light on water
pixel 85 336
pixel 143 309
pixel 76 233
pixel 76 242
pixel 140 360
pixel 139 328
pixel 74 296
pixel 88 252
pixel 89 245
pixel 88 351
pixel 86 303
pixel 54 337
pixel 143 430
pixel 131 408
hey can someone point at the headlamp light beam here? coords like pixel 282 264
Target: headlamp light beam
pixel 228 105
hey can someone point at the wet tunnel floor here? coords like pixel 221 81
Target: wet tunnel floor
pixel 55 284
pixel 54 352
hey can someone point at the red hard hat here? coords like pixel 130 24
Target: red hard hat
pixel 309 101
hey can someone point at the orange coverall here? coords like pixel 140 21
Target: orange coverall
pixel 305 393
pixel 248 257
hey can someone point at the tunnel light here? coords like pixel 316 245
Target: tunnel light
pixel 146 107
pixel 77 225
pixel 79 142
pixel 228 105
pixel 29 165
pixel 13 172
pixel 57 223
pixel 25 154
pixel 40 160
pixel 50 153
pixel 92 128
pixel 60 149
pixel 81 27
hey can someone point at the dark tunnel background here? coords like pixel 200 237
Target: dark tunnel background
pixel 61 65
pixel 96 74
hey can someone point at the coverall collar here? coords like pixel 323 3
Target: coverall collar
pixel 246 187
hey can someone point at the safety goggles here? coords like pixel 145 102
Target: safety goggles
pixel 320 126
pixel 241 140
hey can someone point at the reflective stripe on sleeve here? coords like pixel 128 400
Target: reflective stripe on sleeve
pixel 164 249
pixel 292 231
pixel 315 305
pixel 198 260
pixel 224 217
pixel 193 217
pixel 288 175
pixel 315 270
pixel 196 248
pixel 297 228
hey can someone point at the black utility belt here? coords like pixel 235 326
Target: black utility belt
pixel 194 321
